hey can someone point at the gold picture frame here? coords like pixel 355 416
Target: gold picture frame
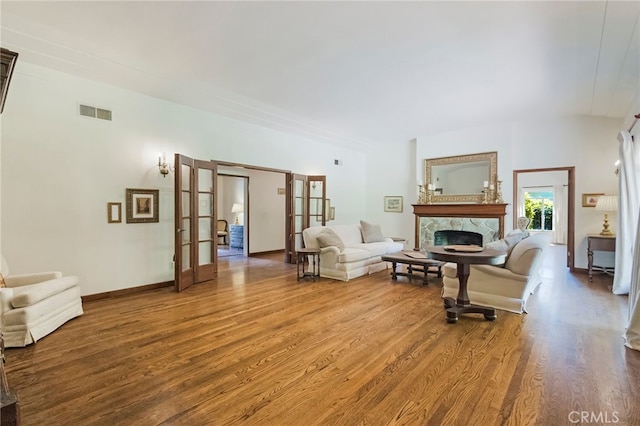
pixel 114 212
pixel 590 200
pixel 143 205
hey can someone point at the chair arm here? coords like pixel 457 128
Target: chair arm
pixel 30 295
pixel 27 279
pixel 498 272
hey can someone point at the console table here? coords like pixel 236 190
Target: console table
pixel 597 242
pixel 236 236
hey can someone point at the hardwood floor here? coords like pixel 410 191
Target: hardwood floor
pixel 256 347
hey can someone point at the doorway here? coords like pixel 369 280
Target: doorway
pixel 233 207
pixel 547 196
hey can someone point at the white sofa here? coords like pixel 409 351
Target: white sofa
pixel 356 259
pixel 34 305
pixel 504 287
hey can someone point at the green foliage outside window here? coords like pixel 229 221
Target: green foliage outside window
pixel 534 208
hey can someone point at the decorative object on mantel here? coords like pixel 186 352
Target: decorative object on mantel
pixel 606 204
pixel 422 197
pixel 499 199
pixel 485 192
pixel 429 193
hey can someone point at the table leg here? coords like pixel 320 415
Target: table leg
pixel 463 304
pixel 393 271
pixel 590 263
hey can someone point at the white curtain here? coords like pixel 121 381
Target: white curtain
pixel 628 208
pixel 559 214
pixel 627 275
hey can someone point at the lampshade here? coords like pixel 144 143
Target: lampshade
pixel 237 208
pixel 607 203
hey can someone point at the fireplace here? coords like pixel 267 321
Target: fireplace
pixel 484 219
pixel 452 236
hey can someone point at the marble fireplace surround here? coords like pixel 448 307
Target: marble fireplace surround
pixel 486 219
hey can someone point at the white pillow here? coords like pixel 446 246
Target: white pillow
pixel 328 238
pixel 371 233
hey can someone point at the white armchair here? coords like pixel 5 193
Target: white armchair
pixel 34 305
pixel 503 287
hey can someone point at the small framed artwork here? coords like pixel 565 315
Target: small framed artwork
pixel 114 212
pixel 393 204
pixel 142 205
pixel 438 191
pixel 590 200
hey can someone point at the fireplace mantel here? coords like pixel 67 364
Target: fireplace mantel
pixel 492 211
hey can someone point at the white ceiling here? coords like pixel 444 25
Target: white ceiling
pixel 357 71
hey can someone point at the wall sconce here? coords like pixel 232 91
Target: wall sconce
pixel 165 168
pixel 617 164
pixel 237 208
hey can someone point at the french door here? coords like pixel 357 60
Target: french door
pixel 195 237
pixel 306 200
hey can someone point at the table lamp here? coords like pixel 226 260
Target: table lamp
pixel 237 208
pixel 606 204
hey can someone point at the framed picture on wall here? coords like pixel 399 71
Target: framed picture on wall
pixel 142 205
pixel 590 200
pixel 114 212
pixel 393 204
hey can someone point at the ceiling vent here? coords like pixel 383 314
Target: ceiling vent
pixel 93 112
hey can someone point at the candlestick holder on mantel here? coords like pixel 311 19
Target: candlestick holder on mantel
pixel 499 199
pixel 422 198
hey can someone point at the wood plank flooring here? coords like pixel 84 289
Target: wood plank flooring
pixel 256 347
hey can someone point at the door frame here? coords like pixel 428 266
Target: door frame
pixel 571 205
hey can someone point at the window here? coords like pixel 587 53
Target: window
pixel 538 206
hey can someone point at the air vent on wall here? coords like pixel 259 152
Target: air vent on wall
pixel 93 112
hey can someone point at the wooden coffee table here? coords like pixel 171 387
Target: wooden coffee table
pixel 417 267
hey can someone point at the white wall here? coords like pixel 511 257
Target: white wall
pixel 59 170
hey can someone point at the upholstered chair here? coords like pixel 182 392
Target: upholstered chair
pixel 223 231
pixel 523 223
pixel 34 305
pixel 508 286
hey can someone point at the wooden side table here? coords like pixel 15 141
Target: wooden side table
pixel 597 242
pixel 311 258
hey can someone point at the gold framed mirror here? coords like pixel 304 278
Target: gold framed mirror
pixel 461 178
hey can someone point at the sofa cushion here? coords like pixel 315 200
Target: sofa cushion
pixel 352 254
pixel 371 233
pixel 328 238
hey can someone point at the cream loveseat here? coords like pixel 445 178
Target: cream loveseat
pixel 34 305
pixel 349 251
pixel 504 287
